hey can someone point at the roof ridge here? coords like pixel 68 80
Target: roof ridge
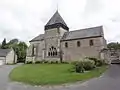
pixel 86 28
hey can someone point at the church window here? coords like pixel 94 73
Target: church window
pixel 52 51
pixel 91 42
pixel 48 53
pixel 66 45
pixel 78 43
pixel 52 47
pixel 33 51
pixel 56 53
pixel 51 54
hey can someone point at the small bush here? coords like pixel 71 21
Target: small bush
pixel 94 59
pixel 88 64
pixel 64 62
pixel 74 62
pixel 79 67
pixel 29 62
pixel 54 62
pixel 82 65
pixel 45 61
pixel 98 62
pixel 38 62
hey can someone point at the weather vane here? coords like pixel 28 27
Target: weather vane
pixel 57 5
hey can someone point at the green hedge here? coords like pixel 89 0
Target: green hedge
pixel 81 66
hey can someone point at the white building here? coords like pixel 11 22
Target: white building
pixel 7 56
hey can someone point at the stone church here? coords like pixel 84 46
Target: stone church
pixel 58 43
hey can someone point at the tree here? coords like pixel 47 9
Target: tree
pixel 13 41
pixel 114 45
pixel 18 46
pixel 4 45
pixel 21 51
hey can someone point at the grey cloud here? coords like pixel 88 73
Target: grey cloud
pixel 93 7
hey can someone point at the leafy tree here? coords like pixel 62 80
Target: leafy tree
pixel 114 45
pixel 21 51
pixel 3 46
pixel 18 46
pixel 13 41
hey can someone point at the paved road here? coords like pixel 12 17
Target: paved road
pixel 109 81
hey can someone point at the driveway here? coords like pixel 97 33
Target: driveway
pixel 108 81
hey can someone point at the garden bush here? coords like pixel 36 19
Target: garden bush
pixel 53 62
pixel 38 62
pixel 74 62
pixel 64 62
pixel 28 62
pixel 79 68
pixel 86 64
pixel 45 61
pixel 98 62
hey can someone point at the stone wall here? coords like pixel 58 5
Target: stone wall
pixel 39 45
pixel 73 52
pixel 52 38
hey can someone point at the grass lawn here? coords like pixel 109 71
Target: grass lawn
pixel 51 74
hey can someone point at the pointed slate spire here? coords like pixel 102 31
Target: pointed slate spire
pixel 55 22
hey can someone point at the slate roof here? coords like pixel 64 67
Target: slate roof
pixel 56 18
pixel 77 34
pixel 83 33
pixel 4 52
pixel 38 38
pixel 56 21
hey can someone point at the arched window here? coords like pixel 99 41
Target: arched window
pixel 56 53
pixel 66 45
pixel 51 54
pixel 52 51
pixel 91 42
pixel 48 53
pixel 33 50
pixel 78 44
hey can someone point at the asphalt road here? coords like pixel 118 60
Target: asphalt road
pixel 110 80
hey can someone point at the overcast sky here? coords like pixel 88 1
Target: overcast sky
pixel 25 19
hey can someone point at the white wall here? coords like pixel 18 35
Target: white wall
pixel 2 60
pixel 10 57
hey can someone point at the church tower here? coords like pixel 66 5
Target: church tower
pixel 54 31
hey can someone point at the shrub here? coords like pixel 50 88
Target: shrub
pixel 45 61
pixel 54 62
pixel 38 62
pixel 93 58
pixel 88 64
pixel 79 68
pixel 98 62
pixel 74 62
pixel 28 62
pixel 82 65
pixel 64 62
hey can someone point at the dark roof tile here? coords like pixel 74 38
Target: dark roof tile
pixel 4 52
pixel 38 38
pixel 83 33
